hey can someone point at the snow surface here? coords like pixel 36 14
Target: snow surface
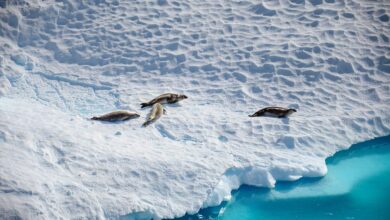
pixel 63 62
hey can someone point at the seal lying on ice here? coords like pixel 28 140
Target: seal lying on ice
pixel 274 112
pixel 165 98
pixel 120 115
pixel 155 113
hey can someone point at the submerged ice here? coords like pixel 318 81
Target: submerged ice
pixel 63 62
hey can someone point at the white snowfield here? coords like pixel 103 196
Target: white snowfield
pixel 62 62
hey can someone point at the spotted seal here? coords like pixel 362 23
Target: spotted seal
pixel 120 115
pixel 155 113
pixel 165 98
pixel 274 112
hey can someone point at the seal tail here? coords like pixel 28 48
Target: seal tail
pixel 252 115
pixel 94 118
pixel 143 105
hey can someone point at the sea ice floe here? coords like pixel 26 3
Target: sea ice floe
pixel 63 62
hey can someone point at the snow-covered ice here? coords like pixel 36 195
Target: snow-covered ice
pixel 64 61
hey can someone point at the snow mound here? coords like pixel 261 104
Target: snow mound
pixel 63 62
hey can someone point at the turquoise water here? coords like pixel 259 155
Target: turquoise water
pixel 357 186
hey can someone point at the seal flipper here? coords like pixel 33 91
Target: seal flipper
pixel 94 118
pixel 146 123
pixel 143 105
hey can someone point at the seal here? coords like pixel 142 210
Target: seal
pixel 155 113
pixel 165 98
pixel 120 115
pixel 274 112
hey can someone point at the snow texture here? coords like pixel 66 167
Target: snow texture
pixel 64 61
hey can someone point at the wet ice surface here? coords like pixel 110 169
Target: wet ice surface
pixel 356 187
pixel 63 62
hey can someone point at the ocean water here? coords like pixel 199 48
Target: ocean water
pixel 356 187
